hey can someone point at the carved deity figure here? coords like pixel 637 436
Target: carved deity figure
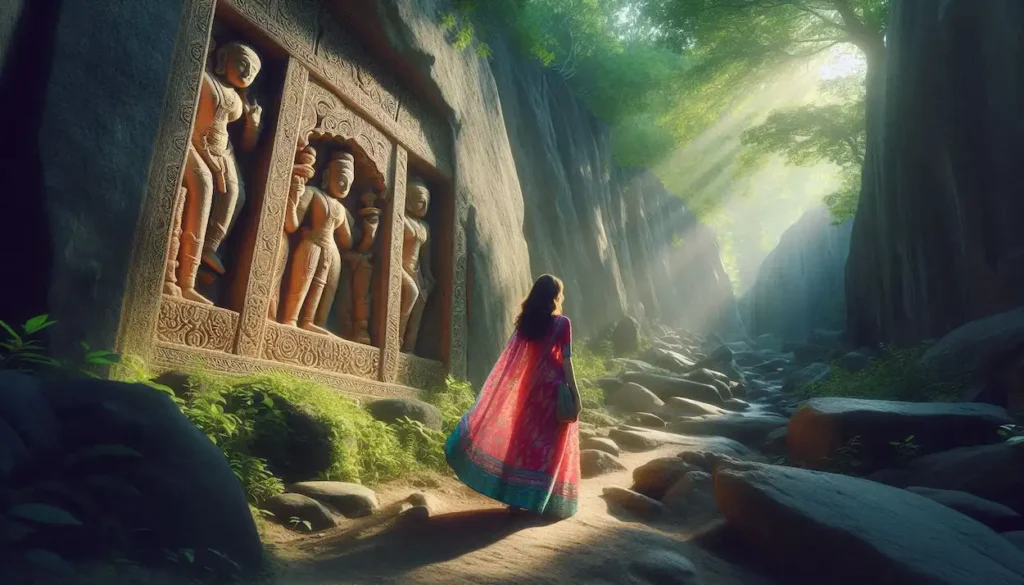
pixel 212 185
pixel 323 224
pixel 357 302
pixel 417 279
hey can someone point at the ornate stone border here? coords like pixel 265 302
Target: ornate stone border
pixel 168 357
pixel 141 307
pixel 390 121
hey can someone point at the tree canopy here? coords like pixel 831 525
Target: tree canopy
pixel 661 72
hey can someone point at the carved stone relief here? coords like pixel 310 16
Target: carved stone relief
pixel 197 325
pixel 323 147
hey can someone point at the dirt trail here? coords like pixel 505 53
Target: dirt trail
pixel 474 540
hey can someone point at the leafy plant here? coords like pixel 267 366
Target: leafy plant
pixel 294 522
pixel 1012 433
pixel 454 398
pixel 895 375
pixel 26 352
pixel 425 445
pixel 906 450
pixel 62 500
pixel 848 458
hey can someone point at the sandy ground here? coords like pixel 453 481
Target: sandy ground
pixel 475 540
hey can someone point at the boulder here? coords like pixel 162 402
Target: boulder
pixel 693 495
pixel 666 387
pixel 599 419
pixel 689 443
pixel 594 463
pixel 824 425
pixel 391 410
pixel 601 444
pixel 285 507
pixel 736 405
pixel 806 354
pixel 25 411
pixel 635 398
pixel 645 419
pixel 996 516
pixel 686 407
pixel 994 472
pixel 1016 538
pixel 608 385
pixel 187 495
pixel 422 506
pixel 747 429
pixel 664 567
pixel 635 504
pixel 625 337
pixel 631 440
pixel 806 376
pixel 632 365
pixel 859 531
pixel 349 499
pixel 775 442
pixel 298 448
pixel 654 478
pixel 856 361
pixel 670 360
pixel 711 378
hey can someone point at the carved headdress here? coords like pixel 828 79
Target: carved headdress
pixel 227 50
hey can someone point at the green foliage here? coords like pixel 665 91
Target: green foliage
pixel 905 450
pixel 46 508
pixel 832 132
pixel 425 445
pixel 454 398
pixel 894 376
pixel 25 351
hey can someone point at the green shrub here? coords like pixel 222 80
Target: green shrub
pixel 894 376
pixel 454 398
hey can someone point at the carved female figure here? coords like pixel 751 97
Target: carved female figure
pixel 323 224
pixel 417 279
pixel 211 179
pixel 355 313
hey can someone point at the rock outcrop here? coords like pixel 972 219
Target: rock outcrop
pixel 937 241
pixel 800 284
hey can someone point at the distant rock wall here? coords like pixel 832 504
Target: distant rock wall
pixel 937 240
pixel 544 196
pixel 800 284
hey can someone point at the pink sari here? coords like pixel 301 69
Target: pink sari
pixel 510 446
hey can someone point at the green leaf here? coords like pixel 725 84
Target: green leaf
pixel 189 555
pixel 44 514
pixel 11 332
pixel 48 561
pixel 36 324
pixel 1015 440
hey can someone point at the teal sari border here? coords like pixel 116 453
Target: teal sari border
pixel 534 499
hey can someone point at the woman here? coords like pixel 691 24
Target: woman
pixel 510 446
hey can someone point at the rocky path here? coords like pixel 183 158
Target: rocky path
pixel 470 539
pixel 715 473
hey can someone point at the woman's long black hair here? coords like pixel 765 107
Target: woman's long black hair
pixel 540 308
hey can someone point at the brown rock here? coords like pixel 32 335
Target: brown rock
pixel 349 499
pixel 601 444
pixel 634 503
pixel 594 463
pixel 654 478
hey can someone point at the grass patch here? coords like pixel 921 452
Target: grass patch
pixel 893 376
pixel 247 417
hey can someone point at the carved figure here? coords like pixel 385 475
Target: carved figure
pixel 302 171
pixel 170 277
pixel 323 224
pixel 357 302
pixel 212 186
pixel 417 279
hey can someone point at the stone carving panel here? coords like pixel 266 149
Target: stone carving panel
pixel 168 357
pixel 334 56
pixel 457 341
pixel 310 350
pixel 149 261
pixel 325 116
pixel 262 282
pixel 394 233
pixel 196 325
pixel 419 372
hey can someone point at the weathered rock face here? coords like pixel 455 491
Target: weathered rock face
pixel 800 285
pixel 937 240
pixel 544 196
